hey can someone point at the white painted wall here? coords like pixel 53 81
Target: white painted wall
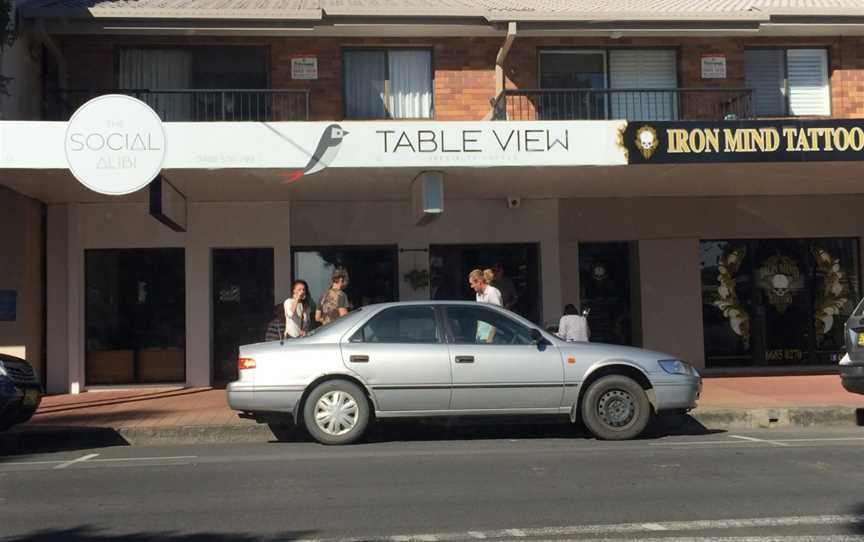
pixel 21 271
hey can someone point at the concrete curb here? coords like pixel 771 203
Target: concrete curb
pixel 43 438
pixel 763 418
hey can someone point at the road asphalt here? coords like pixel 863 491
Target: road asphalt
pixel 492 484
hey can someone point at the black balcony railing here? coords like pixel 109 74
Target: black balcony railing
pixel 198 105
pixel 629 104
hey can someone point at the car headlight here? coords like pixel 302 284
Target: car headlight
pixel 677 367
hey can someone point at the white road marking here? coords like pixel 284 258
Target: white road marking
pixel 771 538
pixel 830 439
pixel 633 529
pixel 172 458
pixel 81 459
pixel 754 439
pixel 60 464
pixel 696 443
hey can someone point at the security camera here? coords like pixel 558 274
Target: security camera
pixel 513 202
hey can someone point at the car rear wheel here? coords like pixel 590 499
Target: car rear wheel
pixel 615 407
pixel 336 412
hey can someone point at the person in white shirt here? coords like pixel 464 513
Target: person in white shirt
pixel 296 315
pixel 480 282
pixel 573 326
pixel 485 293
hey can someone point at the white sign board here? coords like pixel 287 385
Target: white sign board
pixel 114 144
pixel 304 68
pixel 714 66
pixel 304 148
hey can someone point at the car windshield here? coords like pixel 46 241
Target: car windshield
pixel 859 311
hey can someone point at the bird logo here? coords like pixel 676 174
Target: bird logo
pixel 325 153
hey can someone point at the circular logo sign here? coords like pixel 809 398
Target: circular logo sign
pixel 115 144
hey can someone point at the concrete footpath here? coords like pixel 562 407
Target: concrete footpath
pixel 201 415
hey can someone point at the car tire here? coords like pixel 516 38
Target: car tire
pixel 336 412
pixel 615 407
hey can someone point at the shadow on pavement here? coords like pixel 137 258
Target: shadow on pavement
pixel 678 425
pixel 91 534
pixel 522 428
pixel 114 400
pixel 23 440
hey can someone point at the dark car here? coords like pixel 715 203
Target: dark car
pixel 20 391
pixel 852 364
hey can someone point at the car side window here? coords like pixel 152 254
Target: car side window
pixel 415 325
pixel 478 325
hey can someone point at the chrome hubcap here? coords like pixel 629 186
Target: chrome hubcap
pixel 616 408
pixel 336 413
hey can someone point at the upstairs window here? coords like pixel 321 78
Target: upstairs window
pixel 395 83
pixel 175 81
pixel 631 83
pixel 788 82
pixel 192 68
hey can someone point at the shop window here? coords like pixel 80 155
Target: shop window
pixel 372 272
pixel 135 316
pixel 395 83
pixel 604 286
pixel 777 302
pixel 788 82
pixel 242 302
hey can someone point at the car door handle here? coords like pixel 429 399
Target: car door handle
pixel 359 359
pixel 464 359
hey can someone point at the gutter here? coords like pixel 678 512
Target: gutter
pixel 502 57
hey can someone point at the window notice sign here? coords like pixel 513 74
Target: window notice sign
pixel 713 66
pixel 304 67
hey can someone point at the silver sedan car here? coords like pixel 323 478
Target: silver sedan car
pixel 451 358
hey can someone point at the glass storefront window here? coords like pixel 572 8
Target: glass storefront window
pixel 242 305
pixel 135 316
pixel 604 286
pixel 372 271
pixel 777 301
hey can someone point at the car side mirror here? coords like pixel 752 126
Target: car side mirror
pixel 536 336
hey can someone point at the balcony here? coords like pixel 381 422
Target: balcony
pixel 630 104
pixel 198 105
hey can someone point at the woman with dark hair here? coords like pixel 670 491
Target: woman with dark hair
pixel 573 326
pixel 308 306
pixel 296 314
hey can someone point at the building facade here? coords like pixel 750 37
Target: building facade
pixel 743 260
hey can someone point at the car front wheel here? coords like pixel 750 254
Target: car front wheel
pixel 615 407
pixel 336 412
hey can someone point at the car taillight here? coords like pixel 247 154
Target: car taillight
pixel 246 363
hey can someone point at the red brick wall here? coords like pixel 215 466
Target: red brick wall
pixel 464 68
pixel 464 74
